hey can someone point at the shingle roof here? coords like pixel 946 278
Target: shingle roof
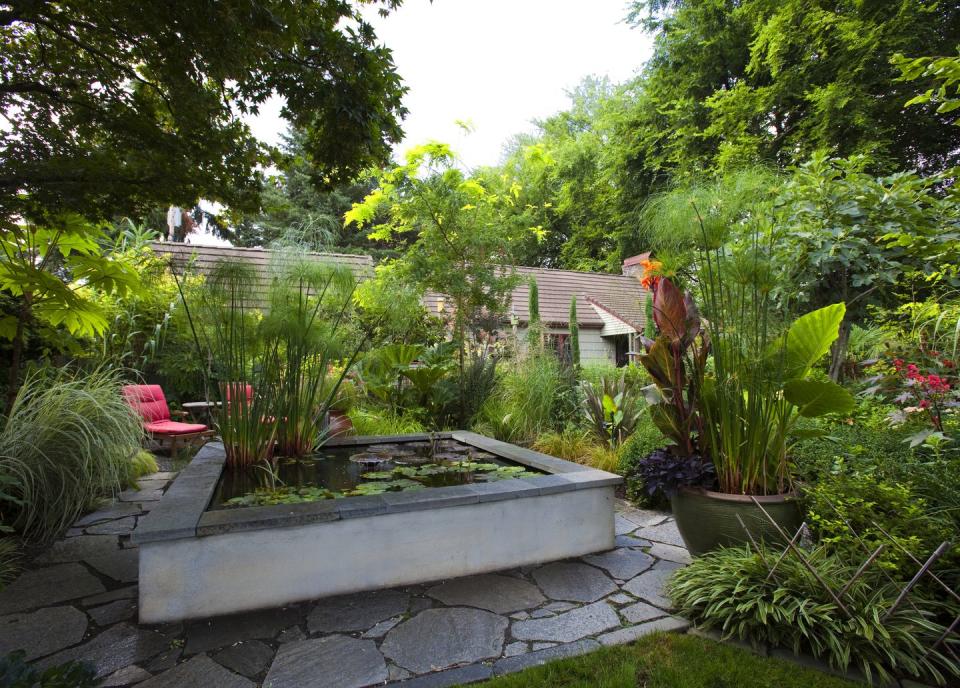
pixel 204 258
pixel 556 287
pixel 619 295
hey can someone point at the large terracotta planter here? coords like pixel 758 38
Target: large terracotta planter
pixel 708 520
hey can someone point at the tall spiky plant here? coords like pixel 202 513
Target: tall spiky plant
pixel 534 329
pixel 244 365
pixel 272 370
pixel 574 334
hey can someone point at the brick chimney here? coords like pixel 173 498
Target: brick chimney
pixel 632 266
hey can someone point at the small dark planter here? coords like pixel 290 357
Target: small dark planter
pixel 708 520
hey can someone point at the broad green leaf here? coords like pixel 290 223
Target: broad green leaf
pixel 818 397
pixel 810 338
pixel 609 405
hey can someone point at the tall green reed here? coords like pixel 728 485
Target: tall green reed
pixel 743 412
pixel 280 343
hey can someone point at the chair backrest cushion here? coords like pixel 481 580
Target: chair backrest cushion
pixel 239 390
pixel 148 401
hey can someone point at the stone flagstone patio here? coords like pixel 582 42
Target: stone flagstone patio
pixel 78 600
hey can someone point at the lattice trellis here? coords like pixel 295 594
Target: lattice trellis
pixel 924 570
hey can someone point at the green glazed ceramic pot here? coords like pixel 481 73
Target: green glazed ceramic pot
pixel 708 520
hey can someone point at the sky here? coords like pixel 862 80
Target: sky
pixel 498 64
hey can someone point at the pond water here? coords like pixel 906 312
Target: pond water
pixel 339 472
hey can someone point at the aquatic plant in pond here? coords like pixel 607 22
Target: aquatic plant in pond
pixel 347 473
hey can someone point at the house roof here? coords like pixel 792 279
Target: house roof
pixel 618 295
pixel 204 259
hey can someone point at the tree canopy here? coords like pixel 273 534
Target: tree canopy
pixel 113 107
pixel 758 81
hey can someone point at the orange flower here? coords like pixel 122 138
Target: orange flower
pixel 649 279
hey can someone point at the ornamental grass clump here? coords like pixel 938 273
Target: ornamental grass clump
pixel 733 591
pixel 68 441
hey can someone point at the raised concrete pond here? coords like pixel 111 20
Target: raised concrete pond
pixel 198 562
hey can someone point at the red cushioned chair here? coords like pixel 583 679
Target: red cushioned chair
pixel 148 401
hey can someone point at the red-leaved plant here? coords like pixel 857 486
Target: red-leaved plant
pixel 675 360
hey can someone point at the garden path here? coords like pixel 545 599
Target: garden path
pixel 78 600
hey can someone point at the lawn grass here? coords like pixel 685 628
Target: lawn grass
pixel 665 660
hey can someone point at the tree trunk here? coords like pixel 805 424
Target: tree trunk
pixel 838 352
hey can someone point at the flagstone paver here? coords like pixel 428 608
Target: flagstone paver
pixel 120 564
pixel 499 594
pixel 443 638
pixel 569 626
pixel 41 632
pixel 633 633
pixel 650 587
pixel 334 662
pixel 79 600
pixel 641 612
pixel 250 657
pixel 48 586
pixel 622 563
pixel 126 677
pixel 113 612
pixel 199 671
pixel 117 647
pixel 358 612
pixel 227 630
pixel 573 581
pixel 665 532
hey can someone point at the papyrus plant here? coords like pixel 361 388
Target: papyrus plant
pixel 759 379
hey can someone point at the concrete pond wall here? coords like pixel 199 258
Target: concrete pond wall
pixel 196 563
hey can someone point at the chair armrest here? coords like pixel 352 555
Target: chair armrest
pixel 179 414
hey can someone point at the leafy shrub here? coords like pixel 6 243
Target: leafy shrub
pixel 66 442
pixel 862 502
pixel 729 589
pixel 865 442
pixel 645 439
pixel 380 421
pixel 16 673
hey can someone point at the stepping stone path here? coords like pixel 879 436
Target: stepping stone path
pixel 499 594
pixel 442 638
pixel 78 600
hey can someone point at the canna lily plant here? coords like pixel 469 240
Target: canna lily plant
pixel 675 360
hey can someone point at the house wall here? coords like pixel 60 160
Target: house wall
pixel 593 347
pixel 612 325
